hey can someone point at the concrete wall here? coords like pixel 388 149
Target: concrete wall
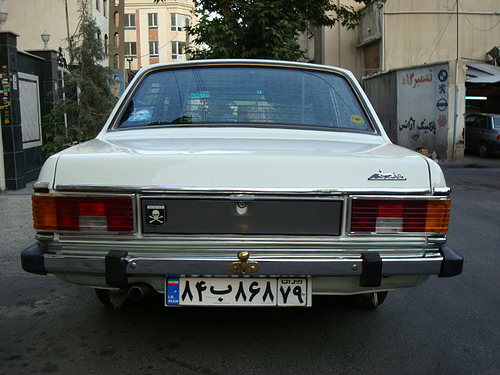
pixel 381 89
pixel 422 107
pixel 27 92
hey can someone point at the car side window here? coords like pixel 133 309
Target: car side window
pixel 481 122
pixel 470 121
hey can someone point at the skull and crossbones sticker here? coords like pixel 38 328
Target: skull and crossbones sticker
pixel 156 215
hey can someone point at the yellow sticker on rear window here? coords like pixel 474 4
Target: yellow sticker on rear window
pixel 358 120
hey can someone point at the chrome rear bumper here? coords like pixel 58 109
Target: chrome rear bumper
pixel 118 265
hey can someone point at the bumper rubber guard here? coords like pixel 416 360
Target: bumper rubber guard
pixel 452 264
pixel 32 259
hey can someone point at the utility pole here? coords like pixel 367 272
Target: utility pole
pixel 67 25
pixel 457 60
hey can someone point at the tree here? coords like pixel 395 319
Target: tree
pixel 86 98
pixel 266 29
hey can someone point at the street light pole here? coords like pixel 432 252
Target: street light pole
pixel 45 39
pixel 3 15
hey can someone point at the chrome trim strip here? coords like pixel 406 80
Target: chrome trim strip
pixel 74 264
pixel 442 191
pixel 41 186
pixel 242 197
pixel 441 240
pixel 325 266
pixel 238 190
pixel 292 246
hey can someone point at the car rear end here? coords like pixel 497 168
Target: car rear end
pixel 265 194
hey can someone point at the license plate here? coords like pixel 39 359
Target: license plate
pixel 208 291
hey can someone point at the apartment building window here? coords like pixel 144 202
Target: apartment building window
pixel 153 20
pixel 153 49
pixel 130 49
pixel 105 8
pixel 178 22
pixel 116 40
pixel 106 44
pixel 178 50
pixel 129 21
pixel 98 5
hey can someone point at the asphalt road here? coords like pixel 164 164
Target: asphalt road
pixel 444 326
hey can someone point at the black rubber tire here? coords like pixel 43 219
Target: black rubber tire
pixel 483 150
pixel 103 297
pixel 369 300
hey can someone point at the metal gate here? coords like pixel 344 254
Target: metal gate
pixel 29 96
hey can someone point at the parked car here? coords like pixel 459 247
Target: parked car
pixel 240 182
pixel 482 133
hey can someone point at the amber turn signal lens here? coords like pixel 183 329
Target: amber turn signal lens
pixel 44 212
pixel 438 215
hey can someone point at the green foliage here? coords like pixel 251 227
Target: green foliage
pixel 86 99
pixel 54 135
pixel 266 29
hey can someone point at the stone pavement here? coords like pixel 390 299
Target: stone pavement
pixel 16 228
pixel 472 161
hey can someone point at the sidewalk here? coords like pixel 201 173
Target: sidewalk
pixel 472 161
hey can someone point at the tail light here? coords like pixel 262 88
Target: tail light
pixel 399 215
pixel 72 213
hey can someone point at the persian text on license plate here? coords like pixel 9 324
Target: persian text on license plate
pixel 208 291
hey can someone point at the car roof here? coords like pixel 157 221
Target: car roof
pixel 243 62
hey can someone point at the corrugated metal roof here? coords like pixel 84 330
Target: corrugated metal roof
pixel 483 73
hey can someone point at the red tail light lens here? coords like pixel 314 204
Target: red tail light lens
pixel 71 213
pixel 399 215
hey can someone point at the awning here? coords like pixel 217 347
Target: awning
pixel 483 73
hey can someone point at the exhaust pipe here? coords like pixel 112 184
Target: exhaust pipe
pixel 137 292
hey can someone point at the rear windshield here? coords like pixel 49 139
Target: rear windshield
pixel 248 96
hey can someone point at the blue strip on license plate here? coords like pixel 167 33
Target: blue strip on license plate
pixel 172 292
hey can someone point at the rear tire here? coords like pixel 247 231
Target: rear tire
pixel 369 300
pixel 483 150
pixel 111 299
pixel 103 297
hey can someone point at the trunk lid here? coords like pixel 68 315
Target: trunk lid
pixel 243 160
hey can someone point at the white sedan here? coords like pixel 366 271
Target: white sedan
pixel 241 182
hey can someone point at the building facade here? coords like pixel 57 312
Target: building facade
pixel 411 32
pixel 419 61
pixel 34 43
pixel 116 50
pixel 57 18
pixel 156 33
